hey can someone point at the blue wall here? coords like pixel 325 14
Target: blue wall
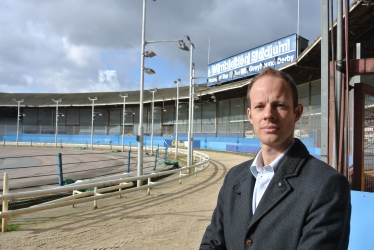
pixel 228 143
pixel 74 139
pixel 362 222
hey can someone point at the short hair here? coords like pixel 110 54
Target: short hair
pixel 277 73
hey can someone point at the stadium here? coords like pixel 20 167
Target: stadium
pixel 219 122
pixel 219 106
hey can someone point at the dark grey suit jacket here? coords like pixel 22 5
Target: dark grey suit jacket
pixel 305 206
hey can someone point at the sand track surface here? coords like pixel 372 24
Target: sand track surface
pixel 34 167
pixel 173 216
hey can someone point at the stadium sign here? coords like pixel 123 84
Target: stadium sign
pixel 251 62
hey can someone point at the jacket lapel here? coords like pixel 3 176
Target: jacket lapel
pixel 278 187
pixel 245 189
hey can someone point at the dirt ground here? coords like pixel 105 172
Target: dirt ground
pixel 173 216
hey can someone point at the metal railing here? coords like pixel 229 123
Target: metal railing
pixel 104 187
pixel 363 148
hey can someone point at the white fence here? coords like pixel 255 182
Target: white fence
pixel 103 188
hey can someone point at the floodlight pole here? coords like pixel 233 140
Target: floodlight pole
pixel 298 29
pixel 141 129
pixel 123 119
pixel 56 132
pixel 192 107
pixel 140 135
pixel 177 119
pixel 189 156
pixel 153 108
pixel 92 119
pixel 193 111
pixel 18 105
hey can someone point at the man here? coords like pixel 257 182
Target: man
pixel 284 198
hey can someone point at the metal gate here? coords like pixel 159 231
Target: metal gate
pixel 363 148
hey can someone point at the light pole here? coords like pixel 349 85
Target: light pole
pixel 298 29
pixel 153 109
pixel 123 118
pixel 193 111
pixel 92 119
pixel 140 135
pixel 177 82
pixel 18 115
pixel 190 139
pixel 192 108
pixel 56 132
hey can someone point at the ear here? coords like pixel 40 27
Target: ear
pixel 298 112
pixel 249 115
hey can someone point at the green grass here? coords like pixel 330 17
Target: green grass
pixel 13 227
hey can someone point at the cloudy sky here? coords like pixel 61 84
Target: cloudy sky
pixel 64 46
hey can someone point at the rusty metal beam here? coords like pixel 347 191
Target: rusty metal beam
pixel 363 66
pixel 331 111
pixel 358 182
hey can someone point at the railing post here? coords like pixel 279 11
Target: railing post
pixel 156 156
pixel 128 161
pixel 166 154
pixel 4 221
pixel 60 143
pixel 86 145
pixel 180 175
pixel 31 143
pixel 95 201
pixel 148 189
pixel 60 174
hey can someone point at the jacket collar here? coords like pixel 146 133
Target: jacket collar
pixel 278 187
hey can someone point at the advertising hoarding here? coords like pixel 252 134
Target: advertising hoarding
pixel 251 62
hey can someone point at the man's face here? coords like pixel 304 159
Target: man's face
pixel 272 113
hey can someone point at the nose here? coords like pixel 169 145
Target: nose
pixel 268 112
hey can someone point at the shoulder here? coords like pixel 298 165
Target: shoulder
pixel 303 169
pixel 298 161
pixel 320 167
pixel 323 175
pixel 239 172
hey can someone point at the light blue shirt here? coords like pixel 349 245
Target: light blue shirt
pixel 263 175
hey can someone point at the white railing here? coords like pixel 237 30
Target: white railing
pixel 106 184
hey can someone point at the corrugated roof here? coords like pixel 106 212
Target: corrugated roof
pixel 103 98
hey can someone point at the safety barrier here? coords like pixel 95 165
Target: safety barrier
pixel 107 184
pixel 200 141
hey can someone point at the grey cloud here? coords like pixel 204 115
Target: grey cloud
pixel 35 30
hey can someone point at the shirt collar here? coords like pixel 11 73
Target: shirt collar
pixel 258 165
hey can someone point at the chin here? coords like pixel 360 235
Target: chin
pixel 270 137
pixel 270 141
